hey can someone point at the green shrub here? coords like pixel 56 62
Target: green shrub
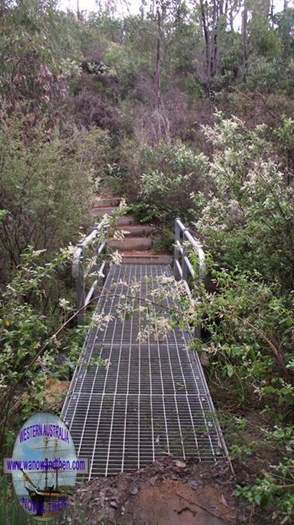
pixel 274 491
pixel 46 182
pixel 250 341
pixel 247 315
pixel 30 312
pixel 162 178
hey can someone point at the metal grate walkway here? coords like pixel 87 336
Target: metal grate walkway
pixel 150 399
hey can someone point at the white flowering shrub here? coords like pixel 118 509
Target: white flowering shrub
pixel 246 318
pixel 248 219
pixel 164 177
pixel 34 348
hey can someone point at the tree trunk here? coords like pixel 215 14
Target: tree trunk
pixel 245 40
pixel 219 19
pixel 213 39
pixel 158 60
pixel 207 43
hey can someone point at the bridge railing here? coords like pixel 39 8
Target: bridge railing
pixel 85 266
pixel 185 246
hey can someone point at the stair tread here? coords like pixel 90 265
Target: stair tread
pixel 106 201
pixel 104 207
pixel 145 253
pixel 139 238
pixel 126 220
pixel 141 258
pixel 141 226
pixel 99 211
pixel 131 243
pixel 136 230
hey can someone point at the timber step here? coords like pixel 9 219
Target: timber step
pixel 131 243
pixel 136 245
pixel 110 202
pixel 136 230
pixel 126 220
pixel 100 211
pixel 145 257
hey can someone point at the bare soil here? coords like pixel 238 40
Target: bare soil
pixel 167 492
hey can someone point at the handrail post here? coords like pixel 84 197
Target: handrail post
pixel 177 234
pixel 81 292
pixel 182 266
pixel 79 273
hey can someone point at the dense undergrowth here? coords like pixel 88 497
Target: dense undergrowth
pixel 133 106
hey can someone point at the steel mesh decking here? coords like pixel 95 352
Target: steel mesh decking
pixel 130 401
